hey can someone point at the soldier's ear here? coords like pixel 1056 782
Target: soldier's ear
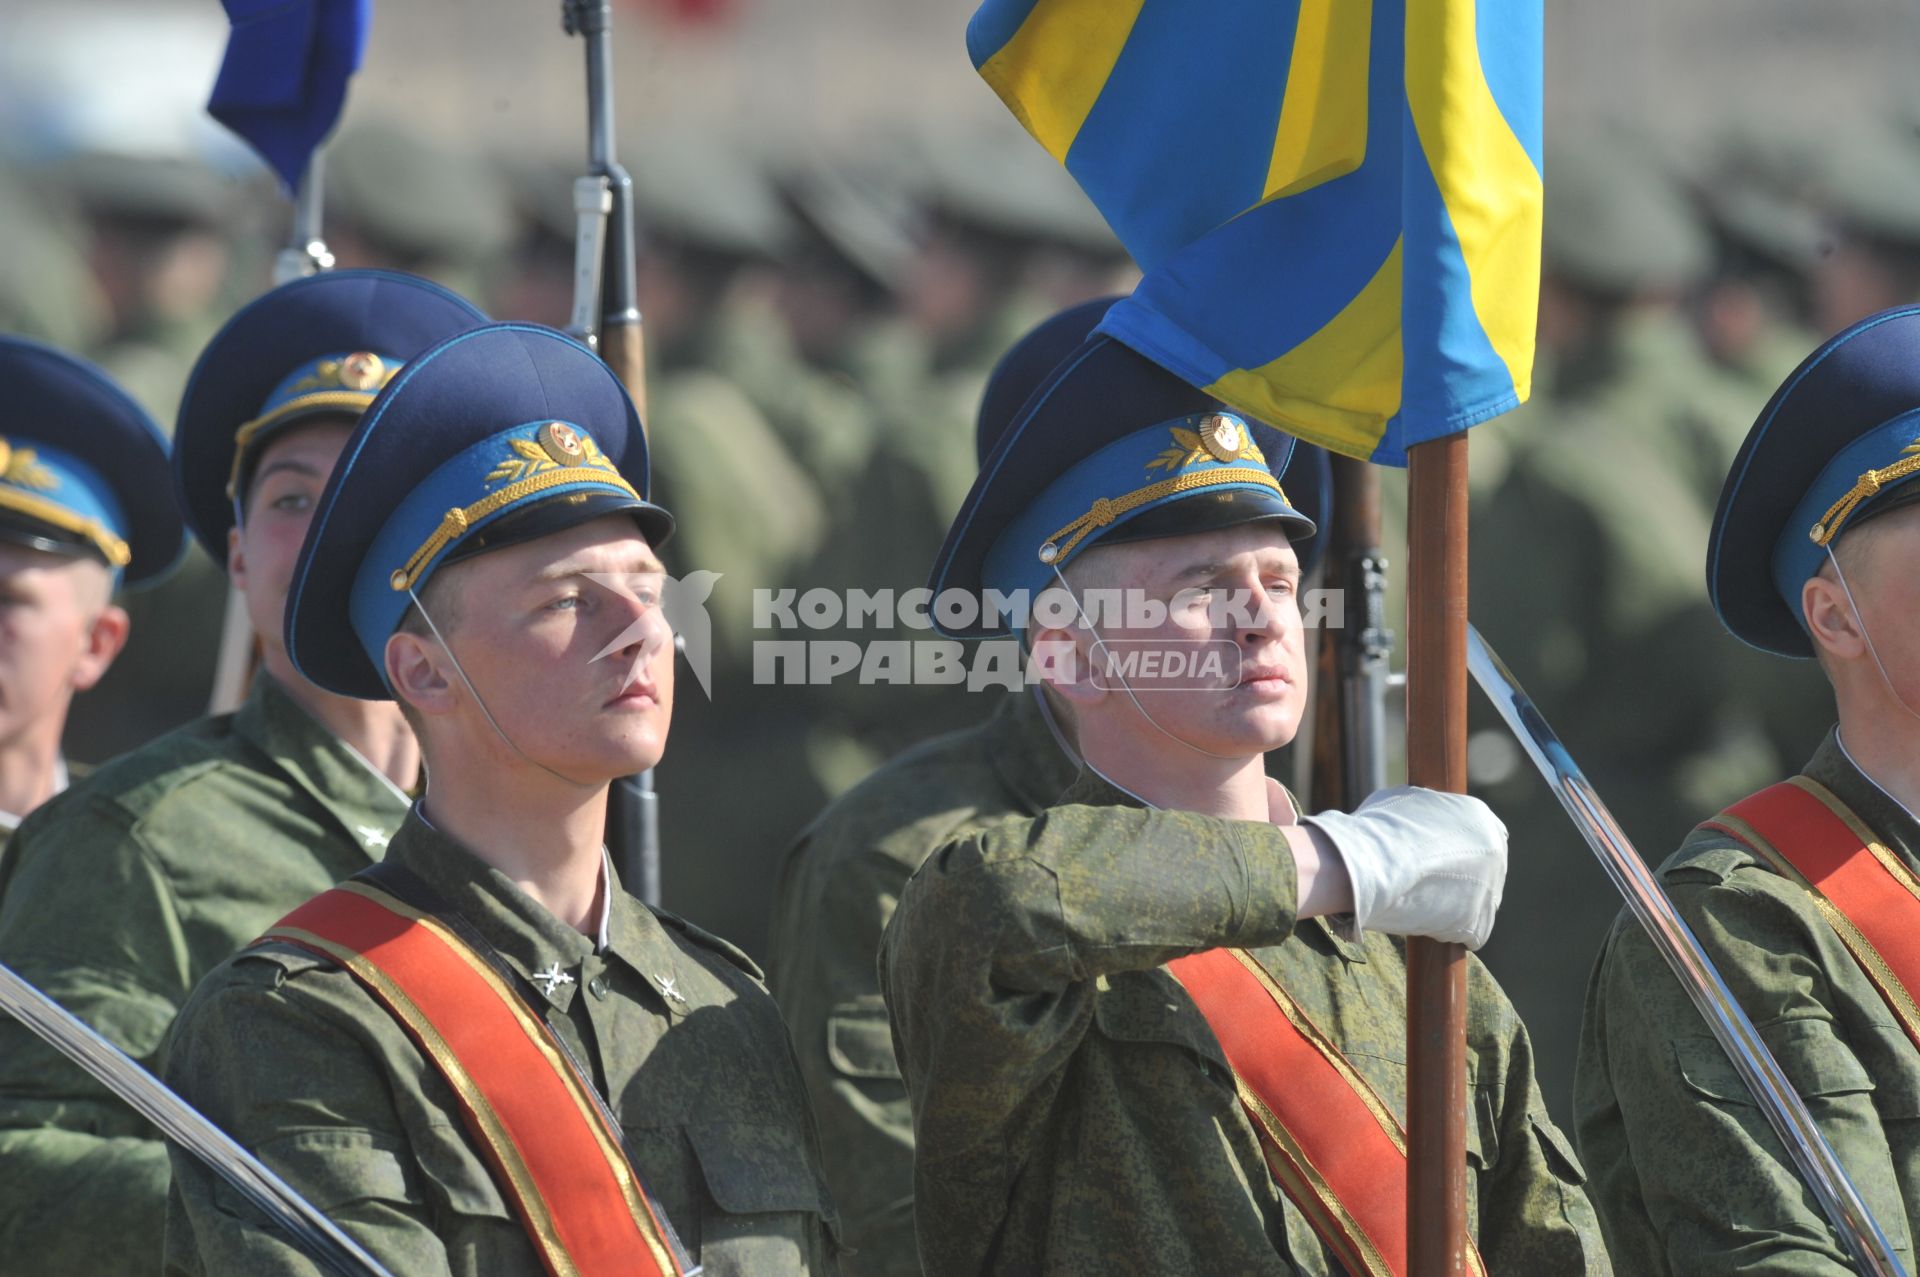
pixel 417 673
pixel 1831 620
pixel 1056 658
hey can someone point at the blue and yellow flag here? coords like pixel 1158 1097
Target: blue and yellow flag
pixel 284 79
pixel 1336 202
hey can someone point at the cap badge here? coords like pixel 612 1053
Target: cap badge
pixel 561 442
pixel 1218 436
pixel 363 370
pixel 22 466
pixel 556 446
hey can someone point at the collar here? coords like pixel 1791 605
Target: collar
pixel 524 932
pixel 1833 767
pixel 1091 789
pixel 366 805
pixel 1030 760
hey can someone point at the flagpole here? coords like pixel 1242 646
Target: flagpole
pixel 1437 759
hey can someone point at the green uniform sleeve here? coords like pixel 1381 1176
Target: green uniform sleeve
pixel 821 967
pixel 83 1179
pixel 334 1137
pixel 1688 1175
pixel 1534 1216
pixel 990 962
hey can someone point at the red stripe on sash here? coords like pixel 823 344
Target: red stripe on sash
pixel 1335 1148
pixel 551 1150
pixel 1867 894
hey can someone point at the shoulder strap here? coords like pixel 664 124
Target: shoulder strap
pixel 1334 1146
pixel 1866 893
pixel 553 1150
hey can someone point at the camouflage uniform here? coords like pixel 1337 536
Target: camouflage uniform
pixel 1687 1175
pixel 1072 1106
pixel 193 845
pixel 836 893
pixel 721 1140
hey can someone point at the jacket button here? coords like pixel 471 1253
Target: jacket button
pixel 598 987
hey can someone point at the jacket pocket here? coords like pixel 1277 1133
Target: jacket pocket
pixel 860 1042
pixel 768 1211
pixel 1813 1058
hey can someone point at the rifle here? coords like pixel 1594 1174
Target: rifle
pixel 1787 1112
pixel 305 253
pixel 606 317
pixel 1352 678
pixel 185 1126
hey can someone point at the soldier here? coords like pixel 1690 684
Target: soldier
pixel 79 515
pixel 119 896
pixel 841 879
pixel 505 1063
pixel 1135 1033
pixel 1803 894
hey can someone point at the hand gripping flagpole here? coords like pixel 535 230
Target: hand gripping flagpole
pixel 1814 1157
pixel 302 1221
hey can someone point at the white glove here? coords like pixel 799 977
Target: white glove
pixel 1422 863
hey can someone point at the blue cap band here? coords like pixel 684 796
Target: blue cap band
pixel 52 486
pixel 512 470
pixel 1205 452
pixel 1847 484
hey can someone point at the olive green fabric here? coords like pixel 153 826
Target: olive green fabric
pixel 116 897
pixel 1687 1174
pixel 836 892
pixel 702 1084
pixel 1074 1112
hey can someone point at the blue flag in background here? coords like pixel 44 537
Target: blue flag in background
pixel 1336 202
pixel 285 75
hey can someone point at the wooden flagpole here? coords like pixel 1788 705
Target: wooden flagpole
pixel 1437 759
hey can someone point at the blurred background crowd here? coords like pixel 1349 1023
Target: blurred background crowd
pixel 841 232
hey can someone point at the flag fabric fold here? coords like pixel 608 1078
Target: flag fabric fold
pixel 1336 203
pixel 284 79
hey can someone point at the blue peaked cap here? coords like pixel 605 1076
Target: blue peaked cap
pixel 493 423
pixel 284 79
pixel 82 467
pixel 1106 438
pixel 326 343
pixel 1838 443
pixel 1029 363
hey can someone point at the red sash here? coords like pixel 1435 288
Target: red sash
pixel 1864 891
pixel 1334 1146
pixel 552 1151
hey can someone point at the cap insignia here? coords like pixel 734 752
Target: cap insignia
pixel 22 466
pixel 1219 436
pixel 559 446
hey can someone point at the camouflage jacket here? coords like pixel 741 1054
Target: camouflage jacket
pixel 836 892
pixel 115 898
pixel 702 1083
pixel 1687 1174
pixel 1073 1111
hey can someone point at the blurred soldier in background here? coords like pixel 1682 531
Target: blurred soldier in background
pixel 160 246
pixel 118 897
pixel 403 201
pixel 80 513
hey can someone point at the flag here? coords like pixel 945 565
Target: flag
pixel 284 78
pixel 1335 203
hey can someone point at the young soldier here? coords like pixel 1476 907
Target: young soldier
pixel 841 878
pixel 483 1056
pixel 118 896
pixel 1803 894
pixel 1135 1035
pixel 79 512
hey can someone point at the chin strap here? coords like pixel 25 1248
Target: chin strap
pixel 1866 634
pixel 480 700
pixel 1125 686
